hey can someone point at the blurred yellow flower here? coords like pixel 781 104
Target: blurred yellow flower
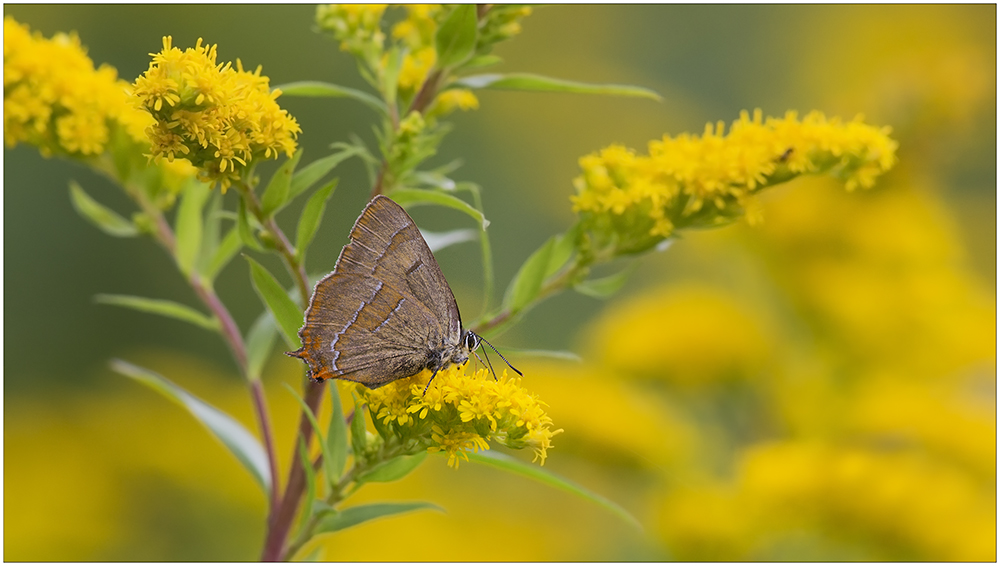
pixel 460 413
pixel 685 335
pixel 219 118
pixel 636 201
pixel 415 67
pixel 54 98
pixel 932 508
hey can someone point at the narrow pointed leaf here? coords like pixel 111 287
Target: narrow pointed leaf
pixel 358 431
pixel 233 435
pixel 563 250
pixel 189 226
pixel 244 228
pixel 504 462
pixel 161 307
pixel 456 38
pixel 394 469
pixel 538 83
pixel 336 433
pixel 260 342
pixel 553 354
pixel 285 311
pixel 212 231
pixel 362 513
pixel 316 170
pixel 330 90
pixel 224 253
pixel 312 214
pixel 107 220
pixel 528 282
pixel 416 197
pixel 310 472
pixel 328 462
pixel 437 241
pixel 277 192
pixel 604 287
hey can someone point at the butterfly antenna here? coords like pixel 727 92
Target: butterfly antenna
pixel 485 353
pixel 517 371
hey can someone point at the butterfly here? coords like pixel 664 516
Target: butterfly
pixel 386 311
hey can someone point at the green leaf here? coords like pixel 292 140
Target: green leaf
pixel 233 435
pixel 359 436
pixel 276 194
pixel 310 472
pixel 107 220
pixel 315 171
pixel 481 61
pixel 211 233
pixel 437 241
pixel 244 229
pixel 504 462
pixel 390 76
pixel 562 250
pixel 538 83
pixel 456 38
pixel 553 354
pixel 336 433
pixel 260 342
pixel 416 197
pixel 362 513
pixel 285 311
pixel 395 469
pixel 528 282
pixel 330 90
pixel 161 307
pixel 189 226
pixel 328 462
pixel 224 253
pixel 604 287
pixel 312 214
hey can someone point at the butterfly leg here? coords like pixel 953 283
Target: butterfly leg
pixel 433 375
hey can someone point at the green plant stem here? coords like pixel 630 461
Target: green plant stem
pixel 553 285
pixel 284 248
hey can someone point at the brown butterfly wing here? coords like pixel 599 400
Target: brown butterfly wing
pixel 386 244
pixel 385 309
pixel 360 329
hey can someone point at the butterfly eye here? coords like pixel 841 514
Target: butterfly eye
pixel 471 341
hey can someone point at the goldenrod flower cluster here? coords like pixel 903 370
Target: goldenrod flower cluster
pixel 219 118
pixel 358 29
pixel 460 413
pixel 56 100
pixel 355 26
pixel 636 201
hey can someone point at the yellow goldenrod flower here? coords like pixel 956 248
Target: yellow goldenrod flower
pixel 460 413
pixel 355 26
pixel 415 67
pixel 456 98
pixel 219 118
pixel 56 100
pixel 418 29
pixel 632 202
pixel 501 21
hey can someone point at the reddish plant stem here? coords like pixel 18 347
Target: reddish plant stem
pixel 231 333
pixel 281 523
pixel 266 430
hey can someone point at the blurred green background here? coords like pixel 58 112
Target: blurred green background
pixel 821 387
